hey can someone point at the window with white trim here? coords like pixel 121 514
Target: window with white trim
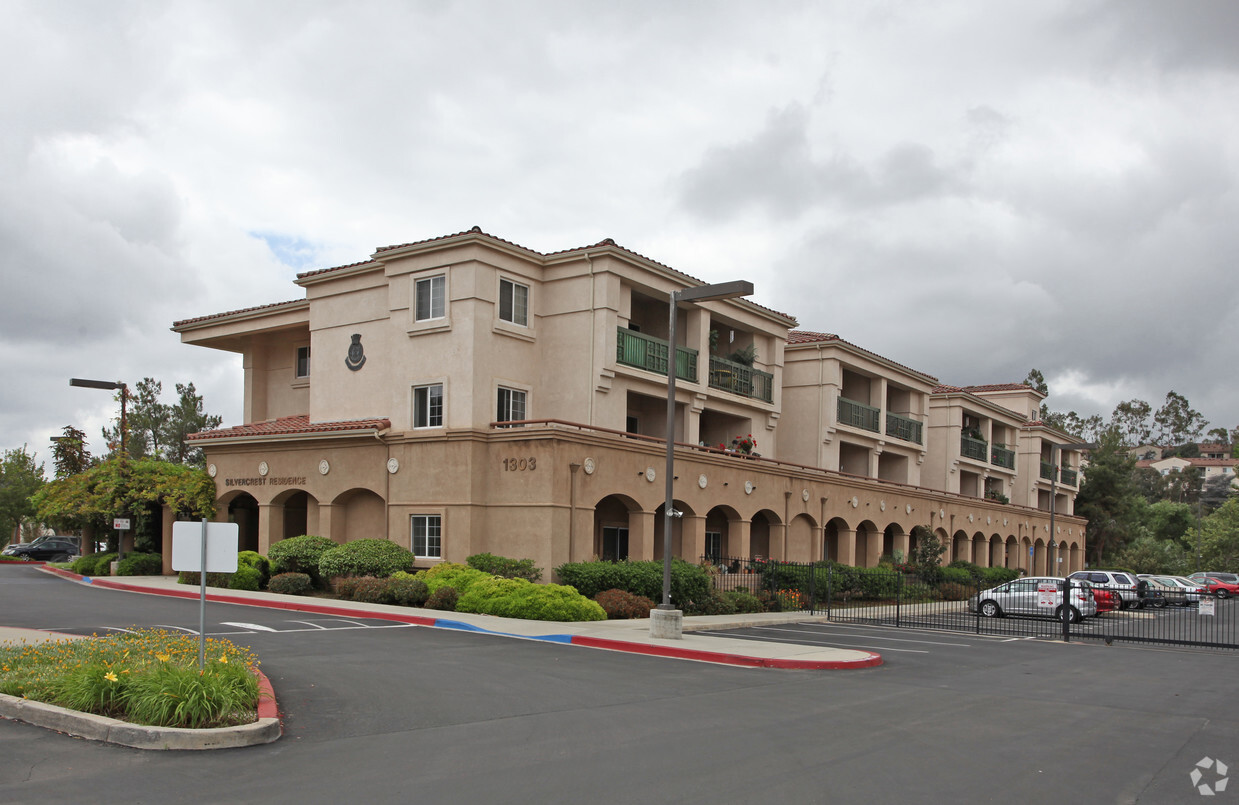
pixel 514 302
pixel 427 536
pixel 428 406
pixel 511 406
pixel 303 362
pixel 430 298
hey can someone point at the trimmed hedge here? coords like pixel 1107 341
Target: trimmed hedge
pixel 365 557
pixel 300 555
pixel 213 579
pixel 246 578
pixel 444 598
pixel 140 564
pixel 621 604
pixel 257 561
pixel 518 598
pixel 102 565
pixel 290 584
pixel 689 582
pixel 450 574
pixel 504 567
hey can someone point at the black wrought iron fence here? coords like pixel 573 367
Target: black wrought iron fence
pixel 983 601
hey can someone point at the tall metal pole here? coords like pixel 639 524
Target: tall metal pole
pixel 669 469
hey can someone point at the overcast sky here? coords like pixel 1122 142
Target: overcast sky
pixel 972 189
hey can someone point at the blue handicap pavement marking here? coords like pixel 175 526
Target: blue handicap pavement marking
pixel 469 627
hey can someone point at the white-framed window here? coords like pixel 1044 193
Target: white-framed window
pixel 428 406
pixel 429 298
pixel 511 407
pixel 427 535
pixel 514 302
pixel 714 546
pixel 303 362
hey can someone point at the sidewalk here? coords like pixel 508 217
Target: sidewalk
pixel 617 635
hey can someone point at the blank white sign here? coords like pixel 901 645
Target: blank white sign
pixel 223 540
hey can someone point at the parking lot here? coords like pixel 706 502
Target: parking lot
pixel 386 712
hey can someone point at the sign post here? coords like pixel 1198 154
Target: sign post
pixel 204 548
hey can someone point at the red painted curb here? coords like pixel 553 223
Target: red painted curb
pixel 267 707
pixel 869 661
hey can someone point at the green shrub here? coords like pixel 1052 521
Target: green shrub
pixel 370 590
pixel 688 582
pixel 620 604
pixel 505 568
pixel 365 557
pixel 407 591
pixel 102 566
pixel 140 564
pixel 958 575
pixel 83 565
pixel 714 603
pixel 953 591
pixel 993 576
pixel 246 578
pixel 290 583
pixel 459 577
pixel 258 562
pixel 973 570
pixel 444 598
pixel 213 579
pixel 345 586
pixel 300 555
pixel 518 598
pixel 744 601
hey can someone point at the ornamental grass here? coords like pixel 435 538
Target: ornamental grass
pixel 144 676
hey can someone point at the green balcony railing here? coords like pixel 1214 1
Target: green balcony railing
pixel 973 448
pixel 646 352
pixel 858 415
pixel 1047 470
pixel 903 428
pixel 1002 457
pixel 739 379
pixel 1068 477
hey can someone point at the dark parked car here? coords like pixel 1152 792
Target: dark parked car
pixel 48 550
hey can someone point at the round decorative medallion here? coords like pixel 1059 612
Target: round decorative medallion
pixel 211 470
pixel 702 480
pixel 907 509
pixel 804 495
pixel 263 469
pixel 989 520
pixel 1004 521
pixel 882 505
pixel 971 518
pixel 589 466
pixel 323 467
pixel 748 487
pixel 941 514
pixel 855 501
pixel 393 466
pixel 650 475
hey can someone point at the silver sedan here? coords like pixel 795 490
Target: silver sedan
pixel 1035 595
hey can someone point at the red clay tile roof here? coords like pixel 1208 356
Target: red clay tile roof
pixel 317 271
pixel 809 337
pixel 945 389
pixel 290 425
pixel 271 306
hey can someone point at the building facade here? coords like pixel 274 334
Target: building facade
pixel 466 394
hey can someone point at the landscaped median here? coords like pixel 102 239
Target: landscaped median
pixel 142 689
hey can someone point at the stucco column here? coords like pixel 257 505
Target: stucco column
pixel 692 537
pixel 640 536
pixel 902 542
pixel 847 546
pixel 739 533
pixel 873 544
pixel 778 541
pixel 311 516
pixel 270 525
pixel 165 545
pixel 325 512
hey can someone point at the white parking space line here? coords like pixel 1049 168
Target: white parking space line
pixel 177 628
pixel 308 623
pixel 841 645
pixel 251 626
pixel 868 636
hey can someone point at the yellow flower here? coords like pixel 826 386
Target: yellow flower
pixel 163 657
pixel 109 676
pixel 223 658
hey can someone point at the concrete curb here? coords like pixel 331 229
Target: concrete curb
pixel 868 660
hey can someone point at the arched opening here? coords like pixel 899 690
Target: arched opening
pixel 243 510
pixel 718 537
pixel 677 530
pixel 800 539
pixel 359 514
pixel 759 535
pixel 611 524
pixel 296 513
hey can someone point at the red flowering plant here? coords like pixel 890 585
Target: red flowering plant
pixel 744 444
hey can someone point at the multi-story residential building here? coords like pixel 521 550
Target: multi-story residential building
pixel 466 394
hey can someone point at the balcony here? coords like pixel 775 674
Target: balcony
pixel 858 415
pixel 973 448
pixel 1002 457
pixel 1068 477
pixel 1047 470
pixel 649 353
pixel 739 379
pixel 903 428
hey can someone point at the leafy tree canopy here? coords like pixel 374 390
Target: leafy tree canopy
pixel 115 487
pixel 157 430
pixel 69 453
pixel 1108 496
pixel 20 478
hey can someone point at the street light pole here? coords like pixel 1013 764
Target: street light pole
pixel 666 621
pixel 108 385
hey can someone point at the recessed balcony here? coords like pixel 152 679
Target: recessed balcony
pixel 739 379
pixel 1002 457
pixel 858 415
pixel 650 353
pixel 973 448
pixel 903 428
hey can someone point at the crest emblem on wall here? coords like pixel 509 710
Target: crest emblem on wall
pixel 356 354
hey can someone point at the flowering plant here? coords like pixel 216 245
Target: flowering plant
pixel 744 444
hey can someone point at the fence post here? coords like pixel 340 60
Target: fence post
pixel 830 580
pixel 1067 610
pixel 898 596
pixel 977 585
pixel 812 589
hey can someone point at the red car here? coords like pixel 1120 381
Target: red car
pixel 1222 589
pixel 1107 600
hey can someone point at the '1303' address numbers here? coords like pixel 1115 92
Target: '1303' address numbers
pixel 520 464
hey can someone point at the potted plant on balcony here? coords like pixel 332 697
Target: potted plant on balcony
pixel 745 445
pixel 744 356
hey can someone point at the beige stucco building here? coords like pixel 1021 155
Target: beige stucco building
pixel 466 394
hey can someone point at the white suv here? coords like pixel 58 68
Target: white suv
pixel 1127 585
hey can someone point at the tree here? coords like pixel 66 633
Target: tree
pixel 1217 490
pixel 20 478
pixel 1219 435
pixel 1132 419
pixel 185 417
pixel 69 453
pixel 145 420
pixel 1169 521
pixel 1220 537
pixel 1037 381
pixel 1108 497
pixel 1177 422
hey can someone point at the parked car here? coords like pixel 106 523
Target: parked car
pixel 1023 597
pixel 1176 589
pixel 1107 600
pixel 49 550
pixel 1127 585
pixel 1219 588
pixel 1229 578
